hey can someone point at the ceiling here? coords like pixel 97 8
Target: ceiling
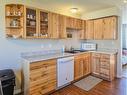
pixel 84 6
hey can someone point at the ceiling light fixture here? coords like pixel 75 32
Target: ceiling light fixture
pixel 74 10
pixel 125 1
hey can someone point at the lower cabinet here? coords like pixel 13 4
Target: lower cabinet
pixel 82 65
pixel 103 65
pixel 41 78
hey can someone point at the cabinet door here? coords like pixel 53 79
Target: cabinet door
pixel 53 29
pixel 43 24
pixel 78 67
pixel 87 64
pixel 70 22
pixel 96 64
pixel 42 77
pixel 78 24
pixel 98 29
pixel 82 31
pixel 89 33
pixel 31 29
pixel 110 28
pixel 62 27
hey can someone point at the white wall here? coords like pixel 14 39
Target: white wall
pixel 109 44
pixel 101 13
pixel 10 49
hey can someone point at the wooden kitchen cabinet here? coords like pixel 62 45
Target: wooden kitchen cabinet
pixel 82 65
pixel 62 27
pixel 110 28
pixel 96 63
pixel 73 23
pixel 78 67
pixel 14 17
pixel 87 64
pixel 78 24
pixel 31 22
pixel 43 24
pixel 98 29
pixel 82 31
pixel 89 32
pixel 70 22
pixel 103 65
pixel 39 77
pixel 54 23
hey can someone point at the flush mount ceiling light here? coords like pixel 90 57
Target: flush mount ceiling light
pixel 125 1
pixel 74 10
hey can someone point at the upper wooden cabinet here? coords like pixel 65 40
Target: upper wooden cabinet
pixel 98 29
pixel 43 24
pixel 14 17
pixel 89 33
pixel 28 22
pixel 69 22
pixel 62 26
pixel 54 23
pixel 102 28
pixel 31 23
pixel 82 30
pixel 73 23
pixel 110 28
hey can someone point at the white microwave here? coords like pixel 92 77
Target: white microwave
pixel 88 46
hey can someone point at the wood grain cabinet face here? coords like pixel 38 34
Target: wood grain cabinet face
pixel 89 33
pixel 31 23
pixel 42 77
pixel 98 29
pixel 96 63
pixel 78 67
pixel 69 22
pixel 43 24
pixel 87 64
pixel 82 66
pixel 110 28
pixel 62 26
pixel 54 23
pixel 103 65
pixel 82 30
pixel 14 13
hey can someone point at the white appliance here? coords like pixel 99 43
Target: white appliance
pixel 88 46
pixel 65 71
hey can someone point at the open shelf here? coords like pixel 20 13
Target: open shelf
pixel 14 20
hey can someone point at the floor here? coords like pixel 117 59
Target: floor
pixel 125 71
pixel 117 87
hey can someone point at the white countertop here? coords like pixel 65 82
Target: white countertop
pixel 105 51
pixel 42 57
pixel 46 57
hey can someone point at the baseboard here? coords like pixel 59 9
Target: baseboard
pixel 118 76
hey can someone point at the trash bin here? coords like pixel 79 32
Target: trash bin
pixel 7 78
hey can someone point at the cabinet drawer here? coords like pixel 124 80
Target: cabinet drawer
pixel 105 60
pixel 105 56
pixel 41 64
pixel 104 71
pixel 105 65
pixel 43 89
pixel 96 54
